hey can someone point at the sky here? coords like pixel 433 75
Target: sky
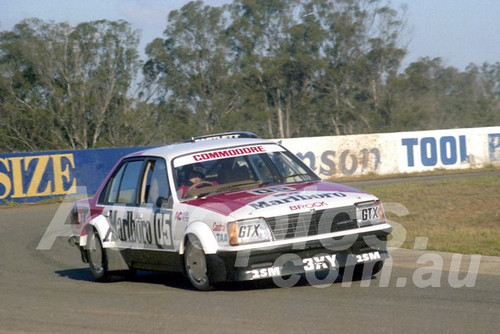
pixel 459 31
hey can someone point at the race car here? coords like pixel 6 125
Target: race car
pixel 227 207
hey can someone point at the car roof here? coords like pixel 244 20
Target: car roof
pixel 170 152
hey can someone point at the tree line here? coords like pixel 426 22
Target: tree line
pixel 284 68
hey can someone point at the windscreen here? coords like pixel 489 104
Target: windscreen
pixel 205 173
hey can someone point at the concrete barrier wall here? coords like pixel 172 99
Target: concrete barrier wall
pixel 401 152
pixel 31 177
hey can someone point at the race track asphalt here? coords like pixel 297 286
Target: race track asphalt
pixel 49 291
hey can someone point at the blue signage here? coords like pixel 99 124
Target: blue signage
pixel 31 177
pixel 433 151
pixel 494 146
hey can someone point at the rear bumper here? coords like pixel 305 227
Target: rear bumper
pixel 369 249
pixel 74 240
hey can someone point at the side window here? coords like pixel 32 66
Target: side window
pixel 110 194
pixel 155 182
pixel 122 187
pixel 263 168
pixel 128 186
pixel 290 169
pixel 282 163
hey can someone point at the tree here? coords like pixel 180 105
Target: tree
pixel 191 69
pixel 361 51
pixel 285 68
pixel 23 120
pixel 273 59
pixel 429 95
pixel 66 83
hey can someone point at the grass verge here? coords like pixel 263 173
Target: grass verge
pixel 459 215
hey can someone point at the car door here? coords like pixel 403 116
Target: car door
pixel 137 203
pixel 119 201
pixel 154 219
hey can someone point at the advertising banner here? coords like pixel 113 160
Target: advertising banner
pixel 31 177
pixel 399 152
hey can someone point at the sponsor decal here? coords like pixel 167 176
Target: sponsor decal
pixel 218 227
pixel 319 262
pixel 221 237
pixel 367 257
pixel 271 190
pixel 308 264
pixel 141 231
pixel 311 264
pixel 178 216
pixel 265 272
pixel 295 198
pixel 181 216
pixel 220 234
pixel 307 206
pixel 228 153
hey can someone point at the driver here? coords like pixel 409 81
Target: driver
pixel 195 175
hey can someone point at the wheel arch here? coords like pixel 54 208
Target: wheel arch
pixel 100 224
pixel 204 234
pixel 115 260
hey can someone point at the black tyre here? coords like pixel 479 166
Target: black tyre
pixel 195 264
pixel 97 257
pixel 377 267
pixel 361 271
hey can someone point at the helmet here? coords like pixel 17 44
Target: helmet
pixel 196 170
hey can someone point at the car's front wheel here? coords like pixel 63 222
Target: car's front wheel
pixel 361 271
pixel 195 264
pixel 96 256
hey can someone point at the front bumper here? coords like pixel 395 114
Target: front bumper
pixel 367 249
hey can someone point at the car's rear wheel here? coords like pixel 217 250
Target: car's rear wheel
pixel 97 256
pixel 195 264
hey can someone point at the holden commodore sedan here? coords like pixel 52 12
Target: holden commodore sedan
pixel 227 207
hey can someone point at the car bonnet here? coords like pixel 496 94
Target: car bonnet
pixel 281 199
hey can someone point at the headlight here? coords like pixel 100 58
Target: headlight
pixel 248 231
pixel 370 213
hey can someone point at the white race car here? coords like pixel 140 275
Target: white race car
pixel 227 207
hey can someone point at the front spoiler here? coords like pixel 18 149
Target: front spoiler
pixel 319 255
